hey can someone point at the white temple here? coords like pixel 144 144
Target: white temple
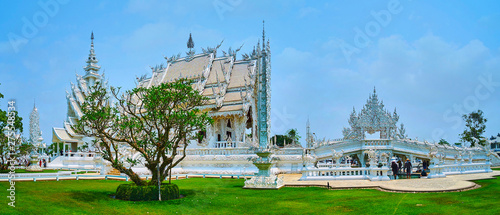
pixel 227 146
pixel 35 133
pixel 73 144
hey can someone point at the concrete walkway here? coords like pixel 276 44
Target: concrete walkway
pixel 451 183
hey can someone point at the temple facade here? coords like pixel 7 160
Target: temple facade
pixel 356 157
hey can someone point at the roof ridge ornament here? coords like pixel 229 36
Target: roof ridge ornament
pixel 190 45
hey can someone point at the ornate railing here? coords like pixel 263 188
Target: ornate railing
pixel 289 151
pixel 344 173
pixel 226 144
pixel 376 142
pixel 440 171
pixel 332 165
pixel 216 151
pixel 78 154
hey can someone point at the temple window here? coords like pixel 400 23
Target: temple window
pixel 219 137
pixel 229 123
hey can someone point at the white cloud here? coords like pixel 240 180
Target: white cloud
pixel 308 11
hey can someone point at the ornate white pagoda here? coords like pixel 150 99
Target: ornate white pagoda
pixel 72 154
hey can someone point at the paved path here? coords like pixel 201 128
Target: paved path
pixel 447 184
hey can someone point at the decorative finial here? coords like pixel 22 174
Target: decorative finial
pixel 92 35
pixel 263 35
pixel 190 43
pixel 374 91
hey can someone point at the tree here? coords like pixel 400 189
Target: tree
pixel 156 122
pixel 282 140
pixel 293 134
pixel 443 142
pixel 5 150
pixel 474 128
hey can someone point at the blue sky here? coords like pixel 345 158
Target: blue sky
pixel 431 60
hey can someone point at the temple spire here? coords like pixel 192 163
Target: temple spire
pixel 263 36
pixel 92 61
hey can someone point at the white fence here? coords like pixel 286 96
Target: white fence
pixel 345 173
pixel 440 171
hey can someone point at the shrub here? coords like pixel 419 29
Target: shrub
pixel 133 192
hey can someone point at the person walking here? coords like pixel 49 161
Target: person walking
pixel 394 167
pixel 408 168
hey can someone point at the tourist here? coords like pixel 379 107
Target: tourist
pixel 399 165
pixel 395 168
pixel 40 163
pixel 424 173
pixel 408 168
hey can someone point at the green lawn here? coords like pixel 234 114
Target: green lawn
pixel 24 171
pixel 226 196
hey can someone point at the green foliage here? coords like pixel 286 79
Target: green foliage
pixel 291 136
pixel 133 192
pixel 9 132
pixel 443 142
pixel 475 125
pixel 280 140
pixel 157 122
pixel 226 196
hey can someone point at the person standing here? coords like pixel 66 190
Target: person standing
pixel 395 168
pixel 399 165
pixel 408 168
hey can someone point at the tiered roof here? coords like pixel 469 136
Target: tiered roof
pixel 227 82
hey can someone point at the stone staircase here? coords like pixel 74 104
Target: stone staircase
pixel 114 172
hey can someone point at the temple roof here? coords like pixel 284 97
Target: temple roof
pixel 222 79
pixel 60 135
pixel 372 118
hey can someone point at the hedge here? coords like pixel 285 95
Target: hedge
pixel 133 192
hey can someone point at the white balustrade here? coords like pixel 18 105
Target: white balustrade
pixel 344 173
pixel 438 171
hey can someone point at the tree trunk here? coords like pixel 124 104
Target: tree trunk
pixel 131 174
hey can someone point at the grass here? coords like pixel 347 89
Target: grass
pixel 226 196
pixel 24 171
